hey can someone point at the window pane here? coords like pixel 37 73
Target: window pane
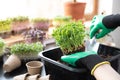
pixel 36 8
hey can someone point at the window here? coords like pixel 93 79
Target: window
pixel 91 10
pixel 41 8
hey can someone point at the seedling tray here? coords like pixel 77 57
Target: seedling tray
pixel 61 71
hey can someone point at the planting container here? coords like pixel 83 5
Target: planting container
pixel 34 67
pixel 19 27
pixel 11 63
pixel 62 71
pixel 42 25
pixel 18 71
pixel 59 71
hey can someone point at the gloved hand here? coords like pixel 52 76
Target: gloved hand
pixel 71 59
pixel 89 59
pixel 97 28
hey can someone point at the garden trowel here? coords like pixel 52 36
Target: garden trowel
pixel 91 44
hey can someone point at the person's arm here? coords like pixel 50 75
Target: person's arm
pixel 99 68
pixel 111 21
pixel 106 72
pixel 102 25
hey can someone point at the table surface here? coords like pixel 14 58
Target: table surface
pixel 21 70
pixel 9 76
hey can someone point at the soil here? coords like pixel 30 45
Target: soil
pixel 80 49
pixel 106 57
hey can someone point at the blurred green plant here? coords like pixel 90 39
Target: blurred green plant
pixel 58 20
pixel 62 18
pixel 24 50
pixel 2 46
pixel 40 23
pixel 20 19
pixel 5 25
pixel 39 20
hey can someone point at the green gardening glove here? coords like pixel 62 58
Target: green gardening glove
pixel 97 28
pixel 89 59
pixel 71 59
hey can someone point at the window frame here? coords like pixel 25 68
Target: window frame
pixel 89 16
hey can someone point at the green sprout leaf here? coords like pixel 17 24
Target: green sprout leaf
pixel 24 49
pixel 70 36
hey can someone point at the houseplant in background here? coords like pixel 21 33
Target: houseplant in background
pixel 34 35
pixel 58 20
pixel 40 23
pixel 2 47
pixel 75 9
pixel 5 28
pixel 19 24
pixel 26 50
pixel 70 37
pixel 22 51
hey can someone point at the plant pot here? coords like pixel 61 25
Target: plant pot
pixel 47 77
pixel 75 10
pixel 28 56
pixel 34 67
pixel 108 52
pixel 11 63
pixel 41 25
pixel 5 34
pixel 18 27
pixel 21 77
pixel 5 26
pixel 61 71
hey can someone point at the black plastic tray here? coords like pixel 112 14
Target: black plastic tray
pixel 60 71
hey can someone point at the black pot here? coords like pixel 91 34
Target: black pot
pixel 60 71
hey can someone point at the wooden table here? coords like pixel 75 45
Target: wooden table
pixel 14 39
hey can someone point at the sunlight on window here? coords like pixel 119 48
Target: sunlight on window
pixel 45 8
pixel 10 8
pixel 35 8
